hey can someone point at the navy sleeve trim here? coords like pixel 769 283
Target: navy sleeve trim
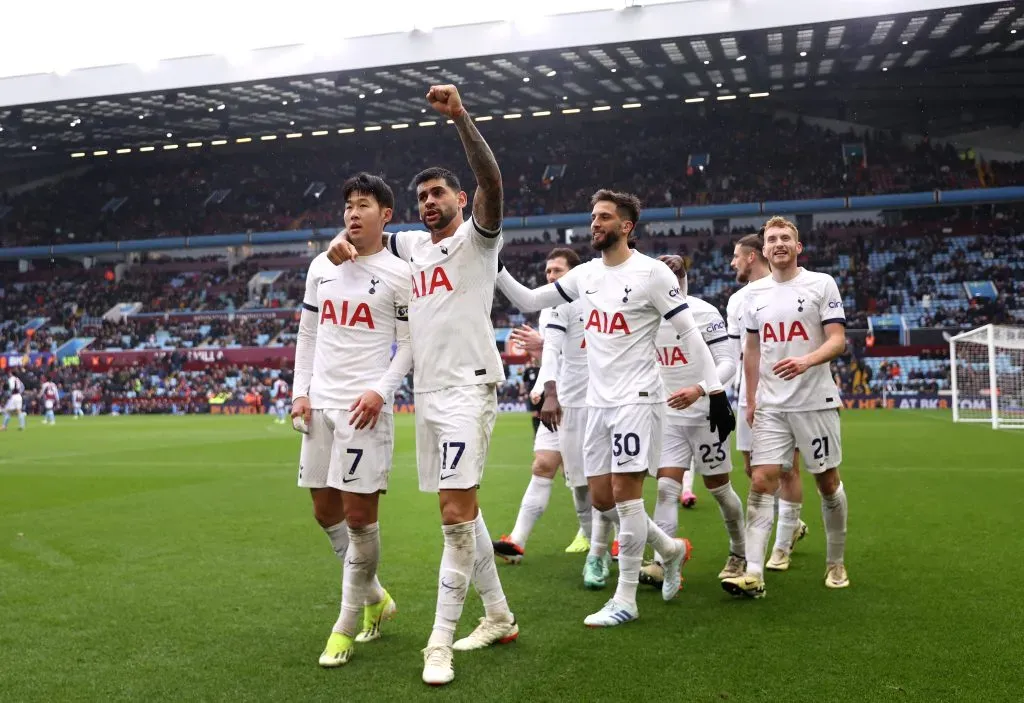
pixel 734 336
pixel 562 293
pixel 490 234
pixel 717 340
pixel 674 311
pixel 311 308
pixel 751 331
pixel 555 327
pixel 834 321
pixel 393 243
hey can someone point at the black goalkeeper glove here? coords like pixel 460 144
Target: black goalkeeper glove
pixel 722 419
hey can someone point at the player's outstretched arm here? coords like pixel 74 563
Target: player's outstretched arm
pixel 488 200
pixel 531 300
pixel 305 348
pixel 751 370
pixel 726 360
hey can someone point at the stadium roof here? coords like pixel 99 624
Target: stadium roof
pixel 876 71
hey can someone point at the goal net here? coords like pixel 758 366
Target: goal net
pixel 987 375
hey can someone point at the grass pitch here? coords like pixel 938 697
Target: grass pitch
pixel 173 559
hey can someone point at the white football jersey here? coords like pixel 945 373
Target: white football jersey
pixel 49 391
pixel 453 340
pixel 674 356
pixel 622 307
pixel 358 306
pixel 789 319
pixel 77 397
pixel 734 318
pixel 15 386
pixel 565 329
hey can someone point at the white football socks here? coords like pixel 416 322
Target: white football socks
pixel 485 573
pixel 760 516
pixel 338 535
pixel 789 521
pixel 453 581
pixel 535 502
pixel 666 509
pixel 584 510
pixel 633 523
pixel 731 507
pixel 600 528
pixel 834 511
pixel 687 481
pixel 359 573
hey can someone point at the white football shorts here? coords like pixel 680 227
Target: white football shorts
pixel 814 432
pixel 545 440
pixel 280 404
pixel 625 439
pixel 453 433
pixel 743 437
pixel 570 443
pixel 336 455
pixel 13 403
pixel 48 404
pixel 683 444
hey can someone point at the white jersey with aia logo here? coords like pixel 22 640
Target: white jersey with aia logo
pixel 450 310
pixel 734 318
pixel 675 358
pixel 622 308
pixel 564 331
pixel 789 319
pixel 358 306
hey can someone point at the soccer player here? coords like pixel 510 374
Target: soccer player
pixel 345 379
pixel 795 327
pixel 686 438
pixel 752 269
pixel 77 398
pixel 280 393
pixel 51 396
pixel 624 296
pixel 457 369
pixel 559 439
pixel 15 389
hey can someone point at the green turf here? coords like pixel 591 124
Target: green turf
pixel 174 559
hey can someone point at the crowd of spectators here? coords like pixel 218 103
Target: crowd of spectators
pixel 737 157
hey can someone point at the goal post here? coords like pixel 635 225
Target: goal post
pixel 986 370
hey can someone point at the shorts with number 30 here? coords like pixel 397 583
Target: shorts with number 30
pixel 453 433
pixel 814 432
pixel 336 455
pixel 624 440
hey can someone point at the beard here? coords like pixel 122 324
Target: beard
pixel 742 277
pixel 609 240
pixel 444 219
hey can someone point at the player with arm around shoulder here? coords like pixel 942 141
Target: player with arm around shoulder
pixel 624 296
pixel 794 328
pixel 345 379
pixel 457 369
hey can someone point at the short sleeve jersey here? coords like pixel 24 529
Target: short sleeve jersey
pixel 789 319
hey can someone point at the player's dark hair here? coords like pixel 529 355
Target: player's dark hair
pixel 570 256
pixel 367 184
pixel 435 173
pixel 627 205
pixel 755 243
